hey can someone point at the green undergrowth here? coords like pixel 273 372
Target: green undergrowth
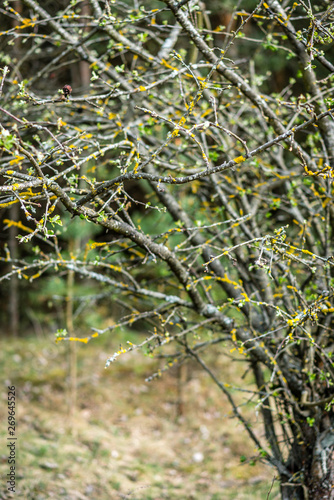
pixel 117 436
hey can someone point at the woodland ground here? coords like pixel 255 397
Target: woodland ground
pixel 124 440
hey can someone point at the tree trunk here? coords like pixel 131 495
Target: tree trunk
pixel 292 492
pixel 321 478
pixel 313 469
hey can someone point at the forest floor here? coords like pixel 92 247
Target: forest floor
pixel 119 437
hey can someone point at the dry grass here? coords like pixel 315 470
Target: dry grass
pixel 125 441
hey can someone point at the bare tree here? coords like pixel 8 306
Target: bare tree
pixel 205 155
